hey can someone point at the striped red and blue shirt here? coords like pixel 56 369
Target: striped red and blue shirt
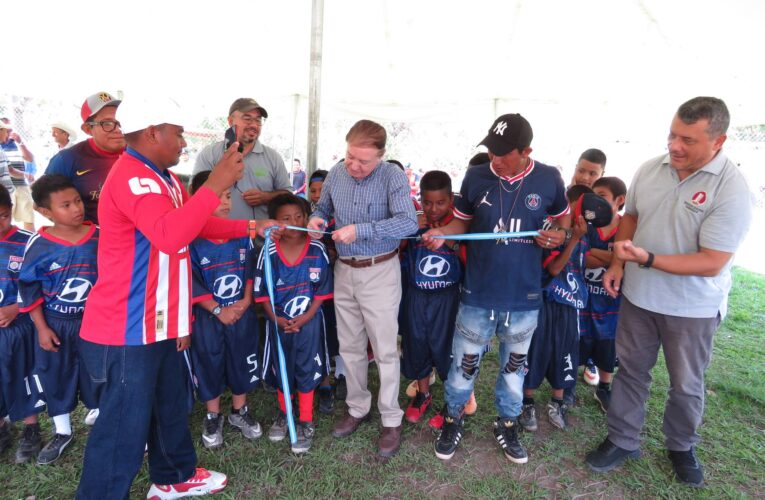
pixel 147 220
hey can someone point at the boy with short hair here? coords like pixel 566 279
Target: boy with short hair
pixel 326 394
pixel 225 339
pixel 302 280
pixel 589 168
pixel 431 298
pixel 598 333
pixel 554 346
pixel 19 386
pixel 58 273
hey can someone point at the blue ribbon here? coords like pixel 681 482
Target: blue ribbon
pixel 467 236
pixel 282 363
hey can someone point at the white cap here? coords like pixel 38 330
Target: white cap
pixel 66 128
pixel 139 114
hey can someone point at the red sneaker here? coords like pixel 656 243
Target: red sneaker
pixel 436 421
pixel 418 407
pixel 203 482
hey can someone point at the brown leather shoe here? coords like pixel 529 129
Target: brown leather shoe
pixel 390 440
pixel 348 425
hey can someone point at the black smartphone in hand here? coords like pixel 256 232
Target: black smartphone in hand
pixel 230 138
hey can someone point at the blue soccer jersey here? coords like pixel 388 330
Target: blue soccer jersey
pixel 506 275
pixel 297 284
pixel 428 270
pixel 11 257
pixel 602 310
pixel 58 274
pixel 221 270
pixel 568 286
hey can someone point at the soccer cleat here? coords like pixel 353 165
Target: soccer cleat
pixel 341 388
pixel 418 407
pixel 90 418
pixel 243 421
pixel 53 450
pixel 5 437
pixel 278 431
pixel 608 456
pixel 590 375
pixel 604 398
pixel 29 444
pixel 450 437
pixel 528 418
pixel 556 412
pixel 305 432
pixel 203 482
pixel 472 405
pixel 687 467
pixel 212 430
pixel 436 422
pixel 326 400
pixel 506 434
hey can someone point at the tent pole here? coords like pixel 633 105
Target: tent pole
pixel 314 88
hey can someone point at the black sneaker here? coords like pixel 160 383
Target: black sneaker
pixel 29 444
pixel 212 430
pixel 506 434
pixel 341 389
pixel 305 433
pixel 5 437
pixel 688 469
pixel 608 456
pixel 54 449
pixel 450 437
pixel 326 400
pixel 604 398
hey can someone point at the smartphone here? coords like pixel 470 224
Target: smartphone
pixel 230 138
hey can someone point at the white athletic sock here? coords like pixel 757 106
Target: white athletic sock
pixel 339 366
pixel 63 424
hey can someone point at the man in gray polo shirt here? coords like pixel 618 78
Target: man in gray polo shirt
pixel 264 173
pixel 686 215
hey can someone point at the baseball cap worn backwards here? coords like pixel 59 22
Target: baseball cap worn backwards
pixel 96 103
pixel 508 132
pixel 595 209
pixel 245 104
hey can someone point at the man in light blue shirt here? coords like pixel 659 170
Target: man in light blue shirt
pixel 369 200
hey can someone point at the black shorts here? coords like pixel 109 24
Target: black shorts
pixel 305 355
pixel 426 342
pixel 224 356
pixel 601 351
pixel 61 376
pixel 554 349
pixel 20 388
pixel 330 323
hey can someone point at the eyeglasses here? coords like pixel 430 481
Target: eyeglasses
pixel 106 125
pixel 252 119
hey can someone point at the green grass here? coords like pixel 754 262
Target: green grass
pixel 732 449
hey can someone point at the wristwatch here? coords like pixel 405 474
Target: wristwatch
pixel 217 310
pixel 649 262
pixel 569 233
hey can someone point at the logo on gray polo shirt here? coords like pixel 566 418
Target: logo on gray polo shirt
pixel 697 201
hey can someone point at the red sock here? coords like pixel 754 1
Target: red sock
pixel 305 401
pixel 282 402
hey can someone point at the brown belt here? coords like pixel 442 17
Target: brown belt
pixel 359 263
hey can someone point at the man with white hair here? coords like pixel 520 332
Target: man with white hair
pixel 138 315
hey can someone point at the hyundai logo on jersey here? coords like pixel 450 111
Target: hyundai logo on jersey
pixel 227 286
pixel 434 266
pixel 297 306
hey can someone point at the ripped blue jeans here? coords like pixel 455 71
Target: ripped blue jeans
pixel 474 329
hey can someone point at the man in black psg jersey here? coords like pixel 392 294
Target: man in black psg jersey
pixel 502 291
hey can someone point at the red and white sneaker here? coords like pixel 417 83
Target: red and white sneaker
pixel 203 482
pixel 590 375
pixel 418 407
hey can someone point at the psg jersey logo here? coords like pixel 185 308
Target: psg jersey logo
pixel 533 201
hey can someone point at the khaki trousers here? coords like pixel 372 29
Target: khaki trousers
pixel 366 305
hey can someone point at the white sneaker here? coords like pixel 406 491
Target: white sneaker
pixel 90 418
pixel 590 375
pixel 203 482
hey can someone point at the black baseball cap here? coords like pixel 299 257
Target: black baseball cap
pixel 508 132
pixel 595 209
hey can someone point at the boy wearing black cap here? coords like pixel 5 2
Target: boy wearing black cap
pixel 598 332
pixel 502 293
pixel 554 346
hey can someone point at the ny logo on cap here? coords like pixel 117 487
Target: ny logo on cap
pixel 499 129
